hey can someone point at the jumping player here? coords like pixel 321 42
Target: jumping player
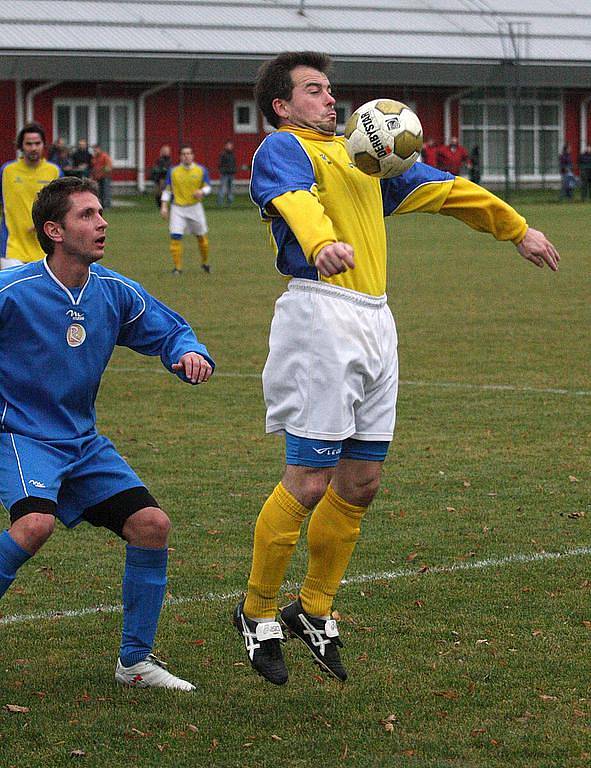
pixel 331 378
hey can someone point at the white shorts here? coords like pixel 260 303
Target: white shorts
pixel 332 369
pixel 187 218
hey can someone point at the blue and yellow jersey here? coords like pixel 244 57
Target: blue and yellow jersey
pixel 310 194
pixel 19 185
pixel 182 182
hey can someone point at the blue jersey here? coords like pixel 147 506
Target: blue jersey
pixel 55 343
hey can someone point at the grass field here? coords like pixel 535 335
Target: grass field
pixel 467 637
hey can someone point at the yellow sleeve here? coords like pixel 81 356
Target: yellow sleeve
pixel 483 211
pixel 305 216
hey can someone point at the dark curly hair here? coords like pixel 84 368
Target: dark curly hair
pixel 274 78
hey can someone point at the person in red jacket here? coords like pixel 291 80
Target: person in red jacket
pixel 430 151
pixel 451 157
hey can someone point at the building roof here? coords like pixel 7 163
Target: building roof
pixel 198 40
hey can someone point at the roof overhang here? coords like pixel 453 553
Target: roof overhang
pixel 237 69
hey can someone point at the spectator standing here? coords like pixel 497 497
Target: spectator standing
pixel 227 167
pixel 429 152
pixel 452 157
pixel 585 172
pixel 159 172
pixel 59 154
pixel 81 159
pixel 60 321
pixel 101 171
pixel 475 164
pixel 20 180
pixel 568 180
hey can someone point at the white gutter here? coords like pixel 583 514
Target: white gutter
pixel 141 130
pixel 584 121
pixel 19 111
pixel 31 97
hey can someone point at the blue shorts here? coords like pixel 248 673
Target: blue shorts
pixel 305 452
pixel 75 474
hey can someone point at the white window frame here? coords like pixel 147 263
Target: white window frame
pixel 92 138
pixel 538 101
pixel 251 126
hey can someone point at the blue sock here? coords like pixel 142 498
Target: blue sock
pixel 144 585
pixel 12 556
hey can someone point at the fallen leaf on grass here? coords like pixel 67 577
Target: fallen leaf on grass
pixel 275 737
pixel 192 728
pixel 388 723
pixel 344 753
pixel 587 624
pixel 411 556
pixel 248 744
pixel 77 753
pixel 573 479
pixel 451 694
pixel 546 697
pixel 197 642
pixel 214 745
pixel 161 747
pixel 16 708
pixel 477 731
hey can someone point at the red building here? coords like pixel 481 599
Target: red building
pixel 134 76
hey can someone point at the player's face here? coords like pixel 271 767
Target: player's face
pixel 83 229
pixel 187 156
pixel 311 104
pixel 32 147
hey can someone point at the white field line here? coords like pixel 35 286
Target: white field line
pixel 436 384
pixel 384 576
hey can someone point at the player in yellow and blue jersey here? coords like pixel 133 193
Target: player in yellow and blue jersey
pixel 186 186
pixel 331 377
pixel 20 181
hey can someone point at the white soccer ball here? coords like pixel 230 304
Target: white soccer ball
pixel 383 138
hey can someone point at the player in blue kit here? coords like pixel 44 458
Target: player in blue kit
pixel 60 320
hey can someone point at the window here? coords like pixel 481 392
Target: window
pixel 515 138
pixel 109 123
pixel 245 117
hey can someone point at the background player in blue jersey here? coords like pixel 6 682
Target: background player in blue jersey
pixel 60 319
pixel 330 381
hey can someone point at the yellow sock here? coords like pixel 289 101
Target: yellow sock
pixel 275 536
pixel 203 241
pixel 176 251
pixel 332 534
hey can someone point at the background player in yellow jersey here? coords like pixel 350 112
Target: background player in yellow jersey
pixel 186 186
pixel 20 180
pixel 330 381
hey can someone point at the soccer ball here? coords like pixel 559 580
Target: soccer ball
pixel 383 138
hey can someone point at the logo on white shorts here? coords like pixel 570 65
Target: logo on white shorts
pixel 327 451
pixel 75 335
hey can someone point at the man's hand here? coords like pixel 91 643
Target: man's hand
pixel 194 366
pixel 198 194
pixel 536 247
pixel 334 258
pixel 164 210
